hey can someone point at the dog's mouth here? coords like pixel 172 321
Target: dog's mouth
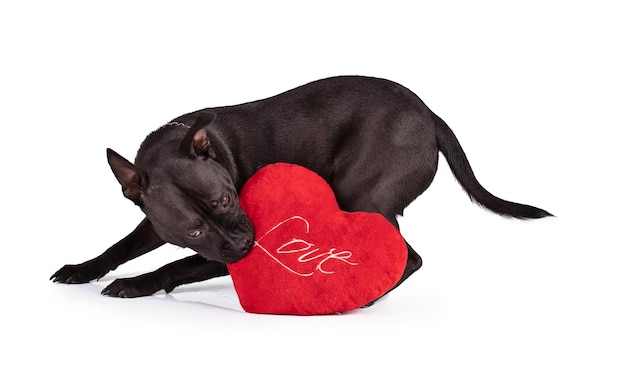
pixel 228 259
pixel 237 249
pixel 235 243
pixel 239 243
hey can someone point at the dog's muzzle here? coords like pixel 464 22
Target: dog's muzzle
pixel 234 250
pixel 239 243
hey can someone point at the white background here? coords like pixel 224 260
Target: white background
pixel 534 92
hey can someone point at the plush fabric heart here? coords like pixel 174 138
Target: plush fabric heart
pixel 309 256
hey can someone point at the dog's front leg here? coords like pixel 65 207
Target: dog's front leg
pixel 186 270
pixel 142 240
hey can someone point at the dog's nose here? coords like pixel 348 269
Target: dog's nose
pixel 245 244
pixel 242 245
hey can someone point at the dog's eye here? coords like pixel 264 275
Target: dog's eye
pixel 194 233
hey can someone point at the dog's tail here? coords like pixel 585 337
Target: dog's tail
pixel 452 151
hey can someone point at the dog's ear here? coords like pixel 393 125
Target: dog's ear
pixel 196 142
pixel 129 176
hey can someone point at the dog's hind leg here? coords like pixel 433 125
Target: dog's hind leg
pixel 414 261
pixel 389 194
pixel 140 241
pixel 187 270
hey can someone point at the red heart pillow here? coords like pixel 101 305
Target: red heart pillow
pixel 309 256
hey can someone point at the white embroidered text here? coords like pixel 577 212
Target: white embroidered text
pixel 309 252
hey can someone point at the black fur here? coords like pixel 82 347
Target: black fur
pixel 374 141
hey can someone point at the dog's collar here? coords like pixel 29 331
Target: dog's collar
pixel 176 124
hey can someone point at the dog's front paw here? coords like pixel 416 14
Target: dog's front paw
pixel 130 287
pixel 79 273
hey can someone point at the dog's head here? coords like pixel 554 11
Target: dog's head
pixel 188 196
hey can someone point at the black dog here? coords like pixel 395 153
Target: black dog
pixel 374 141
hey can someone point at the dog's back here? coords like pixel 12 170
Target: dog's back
pixel 373 140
